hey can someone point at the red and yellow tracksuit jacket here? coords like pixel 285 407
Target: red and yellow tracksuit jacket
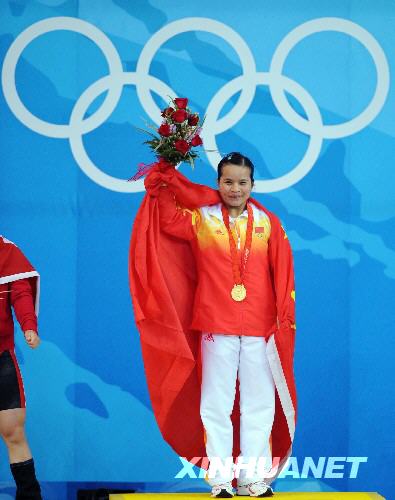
pixel 268 277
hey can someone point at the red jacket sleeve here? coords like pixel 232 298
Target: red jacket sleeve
pixel 281 263
pixel 175 220
pixel 22 302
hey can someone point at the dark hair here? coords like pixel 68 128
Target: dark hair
pixel 236 158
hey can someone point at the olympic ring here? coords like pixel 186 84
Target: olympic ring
pixel 196 24
pixel 76 143
pixel 312 111
pixel 245 84
pixel 22 41
pixel 360 34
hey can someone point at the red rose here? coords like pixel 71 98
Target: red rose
pixel 167 112
pixel 196 141
pixel 164 130
pixel 193 119
pixel 181 102
pixel 179 116
pixel 182 146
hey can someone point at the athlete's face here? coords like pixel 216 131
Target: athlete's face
pixel 235 186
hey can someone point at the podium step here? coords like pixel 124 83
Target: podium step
pixel 278 496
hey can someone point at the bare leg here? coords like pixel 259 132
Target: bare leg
pixel 12 430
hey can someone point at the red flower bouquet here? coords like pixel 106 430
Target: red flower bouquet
pixel 178 133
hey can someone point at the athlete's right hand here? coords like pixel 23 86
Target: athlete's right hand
pixel 32 338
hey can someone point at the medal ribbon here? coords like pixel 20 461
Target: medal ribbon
pixel 237 272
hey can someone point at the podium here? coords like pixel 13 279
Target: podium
pixel 310 495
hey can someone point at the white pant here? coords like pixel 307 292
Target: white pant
pixel 224 358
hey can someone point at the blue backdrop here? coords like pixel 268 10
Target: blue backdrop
pixel 324 136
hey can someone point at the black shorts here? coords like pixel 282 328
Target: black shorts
pixel 12 394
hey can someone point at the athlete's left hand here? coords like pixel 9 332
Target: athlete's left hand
pixel 32 338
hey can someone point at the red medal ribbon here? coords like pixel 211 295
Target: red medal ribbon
pixel 237 272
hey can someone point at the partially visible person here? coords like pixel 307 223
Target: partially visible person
pixel 19 290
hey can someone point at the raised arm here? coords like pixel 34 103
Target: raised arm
pixel 174 220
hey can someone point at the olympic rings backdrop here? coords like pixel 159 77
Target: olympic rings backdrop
pixel 304 89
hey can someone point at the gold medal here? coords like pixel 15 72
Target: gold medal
pixel 239 292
